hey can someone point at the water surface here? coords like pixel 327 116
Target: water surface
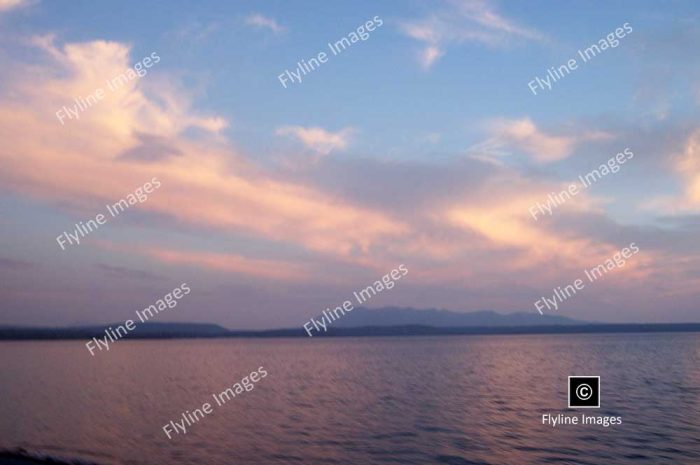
pixel 412 400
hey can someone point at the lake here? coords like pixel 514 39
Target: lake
pixel 395 400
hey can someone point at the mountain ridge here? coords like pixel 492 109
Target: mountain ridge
pixel 384 321
pixel 400 316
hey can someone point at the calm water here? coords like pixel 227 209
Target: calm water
pixel 448 400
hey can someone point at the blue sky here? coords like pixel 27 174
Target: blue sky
pixel 377 85
pixel 422 145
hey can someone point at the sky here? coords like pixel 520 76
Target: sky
pixel 428 144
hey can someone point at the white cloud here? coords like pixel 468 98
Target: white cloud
pixel 259 20
pixel 430 55
pixel 687 163
pixel 7 5
pixel 543 147
pixel 318 139
pixel 463 21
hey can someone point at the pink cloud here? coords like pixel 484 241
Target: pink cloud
pixel 543 147
pixel 318 139
pixel 460 21
pixel 207 184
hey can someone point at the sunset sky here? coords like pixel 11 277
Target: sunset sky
pixel 422 145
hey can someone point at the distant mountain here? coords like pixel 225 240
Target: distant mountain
pixel 363 322
pixel 402 316
pixel 142 330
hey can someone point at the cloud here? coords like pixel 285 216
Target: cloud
pixel 318 139
pixel 462 21
pixel 498 212
pixel 7 5
pixel 196 31
pixel 523 134
pixel 80 69
pixel 120 272
pixel 232 263
pixel 430 55
pixel 12 264
pixel 212 261
pixel 208 185
pixel 687 165
pixel 463 212
pixel 461 226
pixel 150 148
pixel 258 20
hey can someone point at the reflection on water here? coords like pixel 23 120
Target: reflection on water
pixel 418 400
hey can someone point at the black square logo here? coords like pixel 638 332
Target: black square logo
pixel 584 391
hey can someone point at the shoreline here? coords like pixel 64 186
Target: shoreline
pixel 24 333
pixel 21 456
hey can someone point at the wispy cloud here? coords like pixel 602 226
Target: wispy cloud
pixel 211 184
pixel 197 31
pixel 150 148
pixel 430 55
pixel 261 21
pixel 120 272
pixel 687 164
pixel 543 147
pixel 12 264
pixel 461 21
pixel 232 263
pixel 318 139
